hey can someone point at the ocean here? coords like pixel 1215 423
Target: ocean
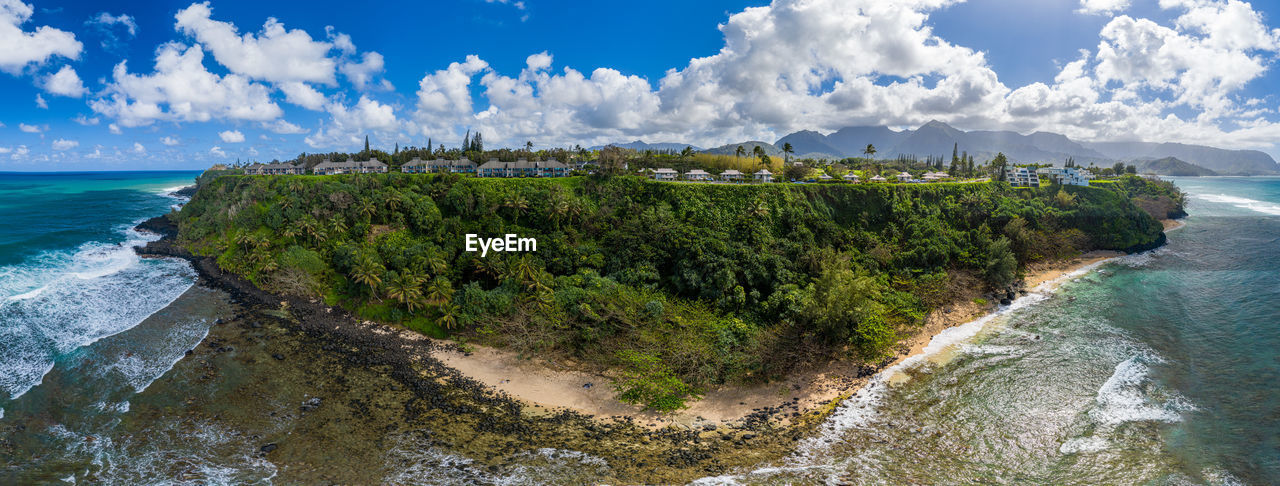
pixel 1155 368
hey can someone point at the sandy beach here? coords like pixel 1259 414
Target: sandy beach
pixel 545 385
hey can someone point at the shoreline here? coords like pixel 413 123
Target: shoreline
pixel 550 385
pixel 544 388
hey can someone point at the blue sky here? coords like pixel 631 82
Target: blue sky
pixel 322 74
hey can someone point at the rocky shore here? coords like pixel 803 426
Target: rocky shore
pixel 489 425
pixel 726 431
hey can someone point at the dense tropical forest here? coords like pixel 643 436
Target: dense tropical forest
pixel 671 287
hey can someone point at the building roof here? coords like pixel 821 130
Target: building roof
pixel 523 164
pixel 697 172
pixel 851 176
pixel 730 172
pixel 664 170
pixel 764 172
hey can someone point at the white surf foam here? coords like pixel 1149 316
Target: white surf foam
pixel 1124 397
pixel 1264 207
pixel 61 301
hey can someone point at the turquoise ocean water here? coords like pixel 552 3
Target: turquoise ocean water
pixel 1157 368
pixel 68 273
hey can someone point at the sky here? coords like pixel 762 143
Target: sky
pixel 180 85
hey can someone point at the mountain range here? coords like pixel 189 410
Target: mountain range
pixel 938 139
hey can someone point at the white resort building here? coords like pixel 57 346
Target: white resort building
pixel 764 176
pixel 349 167
pixel 731 175
pixel 1021 176
pixel 851 177
pixel 697 175
pixel 1067 176
pixel 419 166
pixel 665 174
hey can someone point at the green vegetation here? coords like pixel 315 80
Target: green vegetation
pixel 671 287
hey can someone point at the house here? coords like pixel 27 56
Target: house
pixel 697 175
pixel 824 177
pixel 935 176
pixel 1067 176
pixel 904 177
pixel 1021 176
pixel 349 167
pixel 878 179
pixel 418 166
pixel 764 176
pixel 665 174
pixel 255 169
pixel 851 177
pixel 523 168
pixel 281 168
pixel 731 175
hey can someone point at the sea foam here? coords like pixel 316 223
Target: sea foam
pixel 1264 207
pixel 61 301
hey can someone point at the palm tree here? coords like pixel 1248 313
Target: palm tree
pixel 870 151
pixel 740 152
pixel 528 146
pixel 439 291
pixel 405 289
pixel 448 316
pixel 525 269
pixel 787 150
pixel 368 273
pixel 367 209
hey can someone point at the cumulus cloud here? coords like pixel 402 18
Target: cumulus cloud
pixel 274 54
pixel 29 128
pixel 1103 6
pixel 65 82
pixel 41 103
pixel 138 148
pixel 19 48
pixel 231 136
pixel 362 73
pixel 63 144
pixel 182 90
pixel 20 152
pixel 283 127
pixel 827 64
pixel 347 125
pixel 114 129
pixel 169 141
pixel 85 121
pixel 217 152
pixel 303 95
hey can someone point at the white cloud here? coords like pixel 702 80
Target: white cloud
pixel 827 64
pixel 283 127
pixel 29 128
pixel 20 152
pixel 303 95
pixel 64 144
pixel 138 148
pixel 107 20
pixel 114 129
pixel 274 54
pixel 170 141
pixel 362 73
pixel 86 121
pixel 348 125
pixel 65 82
pixel 1107 7
pixel 5 150
pixel 217 152
pixel 231 136
pixel 41 103
pixel 182 90
pixel 519 5
pixel 19 48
